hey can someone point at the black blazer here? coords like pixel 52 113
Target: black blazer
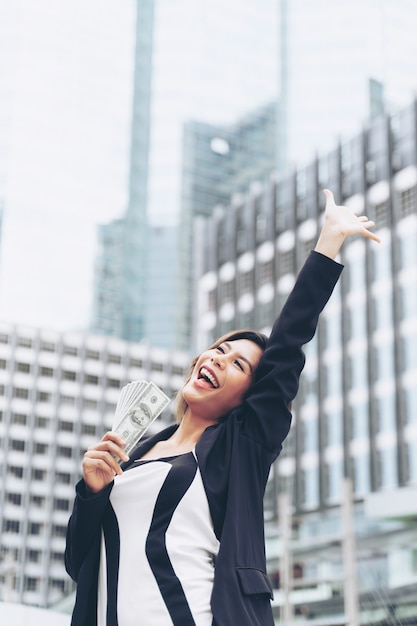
pixel 234 458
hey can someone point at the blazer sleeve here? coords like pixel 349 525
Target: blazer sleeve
pixel 267 406
pixel 84 526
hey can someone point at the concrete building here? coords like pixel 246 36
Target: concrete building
pixel 58 394
pixel 355 411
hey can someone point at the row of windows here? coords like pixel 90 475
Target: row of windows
pixel 46 422
pixel 33 528
pixel 31 583
pixel 46 396
pixel 38 474
pixel 20 445
pixel 47 346
pixel 59 504
pixel 89 354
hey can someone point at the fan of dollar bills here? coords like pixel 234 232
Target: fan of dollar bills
pixel 140 403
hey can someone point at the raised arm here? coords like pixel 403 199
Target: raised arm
pixel 277 376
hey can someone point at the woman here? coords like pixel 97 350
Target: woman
pixel 175 535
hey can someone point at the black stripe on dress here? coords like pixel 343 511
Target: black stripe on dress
pixel 112 540
pixel 176 484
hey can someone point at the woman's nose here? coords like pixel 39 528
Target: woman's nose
pixel 217 360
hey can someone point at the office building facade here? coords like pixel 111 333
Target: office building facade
pixel 354 416
pixel 58 395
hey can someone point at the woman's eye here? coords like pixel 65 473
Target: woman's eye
pixel 220 349
pixel 239 365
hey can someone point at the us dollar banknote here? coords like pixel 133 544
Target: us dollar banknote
pixel 140 413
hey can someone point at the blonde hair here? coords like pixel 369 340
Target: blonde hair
pixel 259 338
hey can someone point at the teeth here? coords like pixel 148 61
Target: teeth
pixel 204 372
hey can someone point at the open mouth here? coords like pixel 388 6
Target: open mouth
pixel 208 376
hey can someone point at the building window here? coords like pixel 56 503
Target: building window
pixel 61 504
pixel 17 444
pixel 68 400
pixel 33 556
pixel 48 372
pixel 114 358
pixel 68 375
pixel 56 583
pixel 88 403
pixel 14 498
pixel 246 280
pixel 4 338
pixel 19 392
pixel 66 426
pixel 3 364
pixel 58 557
pixel 70 350
pixel 88 429
pixel 43 422
pixel 266 273
pixel 91 379
pixel 408 202
pixel 15 471
pixel 59 531
pixel 37 501
pixel 47 346
pixel 19 418
pixel 38 474
pixel 11 526
pixel 43 396
pixel 35 528
pixel 64 451
pixel 286 262
pixel 135 363
pixel 93 355
pixel 23 367
pixel 63 478
pixel 24 342
pixel 41 448
pixel 113 382
pixel 381 214
pixel 227 291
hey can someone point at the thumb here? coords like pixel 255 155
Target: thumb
pixel 329 196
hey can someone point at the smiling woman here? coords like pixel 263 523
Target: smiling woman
pixel 175 534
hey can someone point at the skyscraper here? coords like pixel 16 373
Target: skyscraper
pixel 219 162
pixel 206 61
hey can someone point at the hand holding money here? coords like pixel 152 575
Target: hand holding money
pixel 140 403
pixel 100 462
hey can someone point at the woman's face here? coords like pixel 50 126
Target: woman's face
pixel 221 377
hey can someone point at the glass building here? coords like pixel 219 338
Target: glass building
pixel 195 60
pixel 354 417
pixel 219 163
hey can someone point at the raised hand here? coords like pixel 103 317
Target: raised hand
pixel 341 222
pixel 99 465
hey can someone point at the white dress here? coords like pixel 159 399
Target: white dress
pixel 158 547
